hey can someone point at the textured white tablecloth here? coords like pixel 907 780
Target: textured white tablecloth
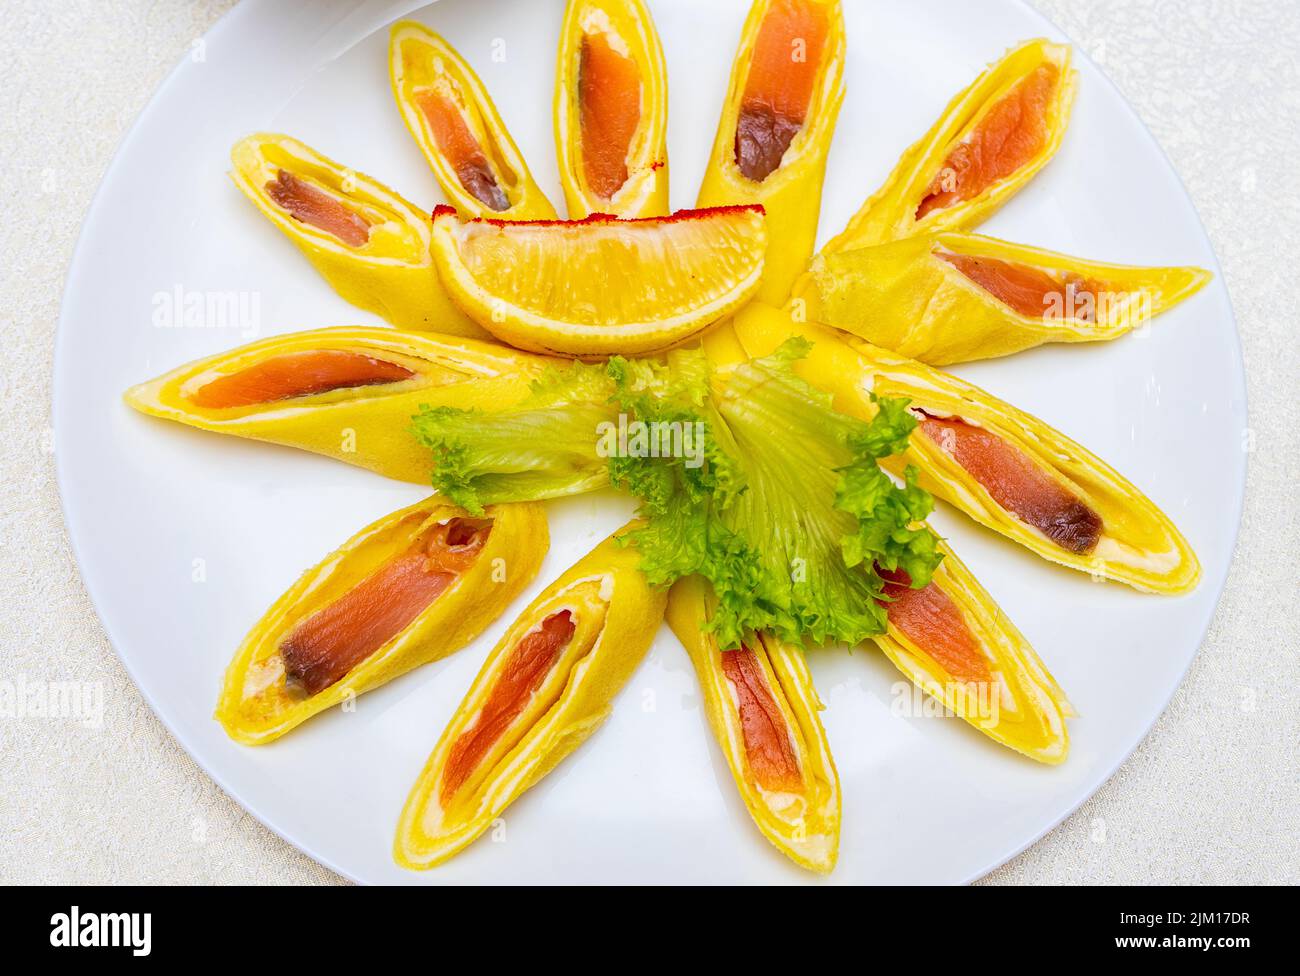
pixel 1212 796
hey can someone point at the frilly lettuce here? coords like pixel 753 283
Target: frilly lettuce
pixel 780 504
pixel 542 448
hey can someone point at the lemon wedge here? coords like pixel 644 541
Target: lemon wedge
pixel 601 286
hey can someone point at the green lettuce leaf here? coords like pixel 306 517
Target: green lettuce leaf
pixel 746 475
pixel 791 515
pixel 542 448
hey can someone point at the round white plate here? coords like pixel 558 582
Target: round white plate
pixel 184 537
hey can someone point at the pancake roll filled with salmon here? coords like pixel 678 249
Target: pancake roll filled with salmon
pixel 953 641
pixel 611 111
pixel 461 135
pixel 348 393
pixel 763 710
pixel 1016 475
pixel 369 243
pixel 775 132
pixel 991 140
pixel 953 297
pixel 411 588
pixel 547 685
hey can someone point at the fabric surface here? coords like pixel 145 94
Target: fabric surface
pixel 1209 798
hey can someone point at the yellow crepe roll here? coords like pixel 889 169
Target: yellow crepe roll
pixel 348 393
pixel 952 298
pixel 991 140
pixel 611 110
pixel 371 245
pixel 954 642
pixel 450 115
pixel 411 588
pixel 763 709
pixel 547 685
pixel 786 87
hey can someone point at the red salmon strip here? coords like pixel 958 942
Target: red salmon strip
pixel 783 70
pixel 1011 134
pixel 335 639
pixel 296 374
pixel 525 670
pixel 609 96
pixel 455 141
pixel 929 619
pixel 311 205
pixel 768 749
pixel 1027 290
pixel 1016 483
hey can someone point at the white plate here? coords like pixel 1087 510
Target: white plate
pixel 185 537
